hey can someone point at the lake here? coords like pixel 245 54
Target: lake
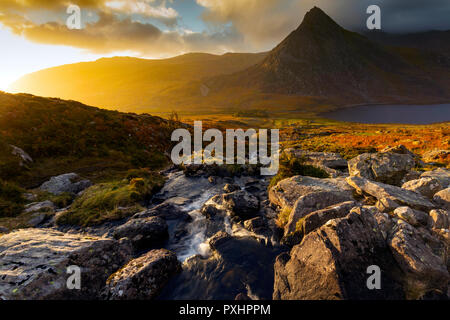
pixel 407 114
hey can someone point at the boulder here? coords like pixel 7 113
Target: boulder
pixel 40 206
pixel 423 270
pixel 313 202
pixel 34 264
pixel 413 217
pixel 425 186
pixel 331 263
pixel 389 168
pixel 65 183
pixel 442 198
pixel 435 155
pixel 318 218
pixel 326 159
pixel 213 207
pixel 440 219
pixel 144 277
pixel 390 197
pixel 288 191
pixel 167 210
pixel 144 232
pixel 240 203
pixel 228 188
pixel 411 175
pixel 441 174
pixel 24 157
pixel 257 225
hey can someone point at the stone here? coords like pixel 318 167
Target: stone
pixel 167 210
pixel 65 183
pixel 313 202
pixel 257 225
pixel 228 188
pixel 390 197
pixel 24 157
pixel 143 233
pixel 435 155
pixel 413 217
pixel 144 277
pixel 411 175
pixel 331 263
pixel 425 186
pixel 423 270
pixel 389 168
pixel 440 219
pixel 34 264
pixel 240 203
pixel 288 191
pixel 40 206
pixel 441 174
pixel 442 198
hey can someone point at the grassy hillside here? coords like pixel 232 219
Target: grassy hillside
pixel 64 136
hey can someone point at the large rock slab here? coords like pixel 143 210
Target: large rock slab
pixel 288 191
pixel 33 264
pixel 386 167
pixel 425 186
pixel 144 277
pixel 423 270
pixel 331 263
pixel 441 174
pixel 415 218
pixel 442 198
pixel 390 197
pixel 440 219
pixel 313 202
pixel 65 183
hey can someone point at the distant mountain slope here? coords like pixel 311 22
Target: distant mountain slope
pixel 322 59
pixel 132 84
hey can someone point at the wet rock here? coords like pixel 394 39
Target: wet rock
pixel 213 207
pixel 257 225
pixel 34 263
pixel 440 219
pixel 425 186
pixel 288 191
pixel 389 168
pixel 144 277
pixel 442 198
pixel 326 159
pixel 423 270
pixel 240 203
pixel 313 202
pixel 40 206
pixel 143 233
pixel 413 217
pixel 228 188
pixel 331 263
pixel 166 210
pixel 390 197
pixel 219 239
pixel 65 183
pixel 441 174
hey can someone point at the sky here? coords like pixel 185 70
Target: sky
pixel 34 34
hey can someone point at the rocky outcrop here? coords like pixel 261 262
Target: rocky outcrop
pixel 288 191
pixel 425 186
pixel 144 277
pixel 331 263
pixel 240 203
pixel 65 183
pixel 143 233
pixel 34 264
pixel 326 159
pixel 441 174
pixel 442 198
pixel 390 197
pixel 415 218
pixel 389 168
pixel 312 202
pixel 440 219
pixel 422 269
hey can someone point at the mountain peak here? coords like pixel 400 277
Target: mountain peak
pixel 316 18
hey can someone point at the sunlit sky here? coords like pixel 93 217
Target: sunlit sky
pixel 33 33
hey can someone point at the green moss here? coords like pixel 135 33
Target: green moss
pixel 291 166
pixel 112 200
pixel 283 216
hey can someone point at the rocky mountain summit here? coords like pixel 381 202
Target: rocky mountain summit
pixel 214 233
